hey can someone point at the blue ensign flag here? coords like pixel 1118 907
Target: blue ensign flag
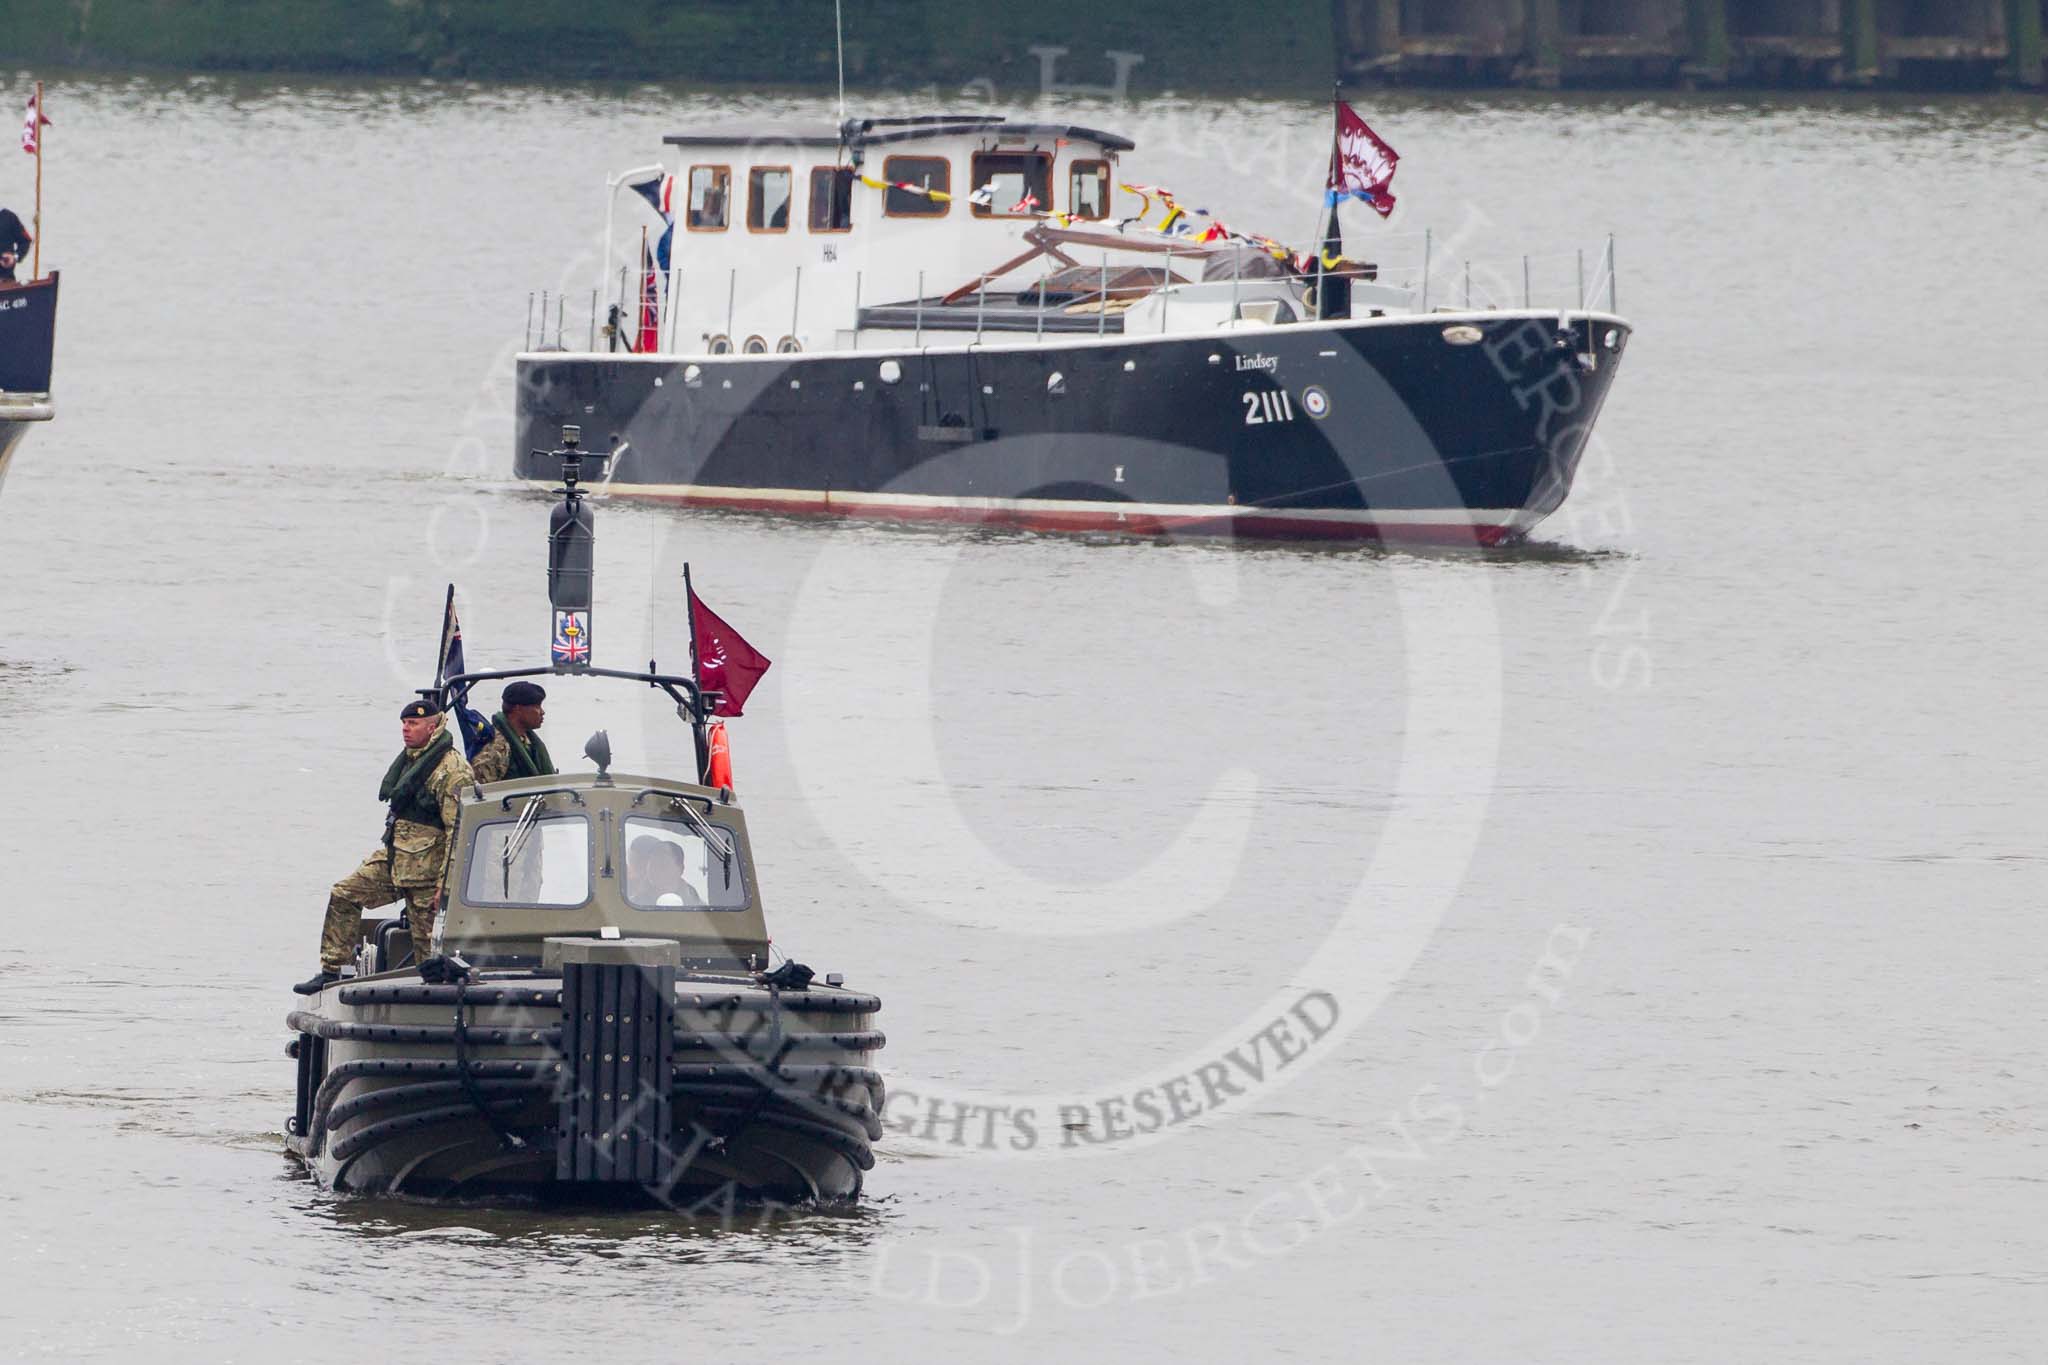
pixel 476 731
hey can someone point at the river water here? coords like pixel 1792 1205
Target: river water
pixel 1659 901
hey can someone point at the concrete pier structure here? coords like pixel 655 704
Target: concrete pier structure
pixel 1961 43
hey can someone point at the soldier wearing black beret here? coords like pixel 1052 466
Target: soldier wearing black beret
pixel 420 787
pixel 515 750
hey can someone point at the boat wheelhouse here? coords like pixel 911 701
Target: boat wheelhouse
pixel 970 318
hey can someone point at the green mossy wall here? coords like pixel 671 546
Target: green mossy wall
pixel 1187 44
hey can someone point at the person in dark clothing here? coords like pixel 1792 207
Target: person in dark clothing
pixel 515 749
pixel 14 242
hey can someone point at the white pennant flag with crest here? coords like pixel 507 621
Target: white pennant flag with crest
pixel 32 126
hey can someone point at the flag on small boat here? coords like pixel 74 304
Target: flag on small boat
pixel 571 643
pixel 1361 165
pixel 726 663
pixel 476 731
pixel 647 338
pixel 32 126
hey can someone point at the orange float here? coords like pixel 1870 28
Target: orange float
pixel 718 769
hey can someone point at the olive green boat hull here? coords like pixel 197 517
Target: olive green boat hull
pixel 773 1093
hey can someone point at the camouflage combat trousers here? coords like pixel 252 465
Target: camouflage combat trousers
pixel 365 888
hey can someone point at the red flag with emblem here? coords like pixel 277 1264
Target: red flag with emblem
pixel 726 663
pixel 1361 165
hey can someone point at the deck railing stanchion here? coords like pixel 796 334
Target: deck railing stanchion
pixel 917 326
pixel 1612 307
pixel 593 319
pixel 796 299
pixel 1166 290
pixel 1525 281
pixel 856 310
pixel 732 289
pixel 561 310
pixel 1102 310
pixel 980 307
pixel 675 294
pixel 529 322
pixel 1468 284
pixel 1236 281
pixel 1582 277
pixel 1044 275
pixel 1425 270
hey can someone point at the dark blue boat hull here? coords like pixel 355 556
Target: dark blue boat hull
pixel 1447 428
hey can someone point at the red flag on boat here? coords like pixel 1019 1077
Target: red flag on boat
pixel 726 663
pixel 32 126
pixel 1361 165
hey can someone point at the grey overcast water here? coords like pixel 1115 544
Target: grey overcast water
pixel 1672 885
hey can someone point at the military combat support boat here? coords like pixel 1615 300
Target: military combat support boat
pixel 599 1019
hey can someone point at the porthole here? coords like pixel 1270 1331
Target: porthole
pixel 754 346
pixel 788 346
pixel 720 345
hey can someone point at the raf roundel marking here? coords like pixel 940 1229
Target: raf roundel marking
pixel 1315 402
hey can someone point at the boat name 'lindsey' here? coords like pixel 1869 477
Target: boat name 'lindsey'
pixel 1258 362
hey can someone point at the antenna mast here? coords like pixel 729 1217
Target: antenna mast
pixel 839 29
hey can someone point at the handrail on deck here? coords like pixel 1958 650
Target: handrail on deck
pixel 1542 280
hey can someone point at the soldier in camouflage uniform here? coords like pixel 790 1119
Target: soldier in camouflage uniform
pixel 421 788
pixel 514 749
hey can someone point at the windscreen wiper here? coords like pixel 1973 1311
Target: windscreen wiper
pixel 712 835
pixel 528 818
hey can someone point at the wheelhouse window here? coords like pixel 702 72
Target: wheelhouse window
pixel 1012 184
pixel 930 174
pixel 768 199
pixel 1088 189
pixel 543 860
pixel 676 865
pixel 831 198
pixel 710 192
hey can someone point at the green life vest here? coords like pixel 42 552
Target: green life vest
pixel 529 757
pixel 405 783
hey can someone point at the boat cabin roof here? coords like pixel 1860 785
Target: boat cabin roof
pixel 875 132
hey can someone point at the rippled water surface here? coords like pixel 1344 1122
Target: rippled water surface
pixel 1667 893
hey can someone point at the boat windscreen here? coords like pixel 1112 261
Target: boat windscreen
pixel 541 862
